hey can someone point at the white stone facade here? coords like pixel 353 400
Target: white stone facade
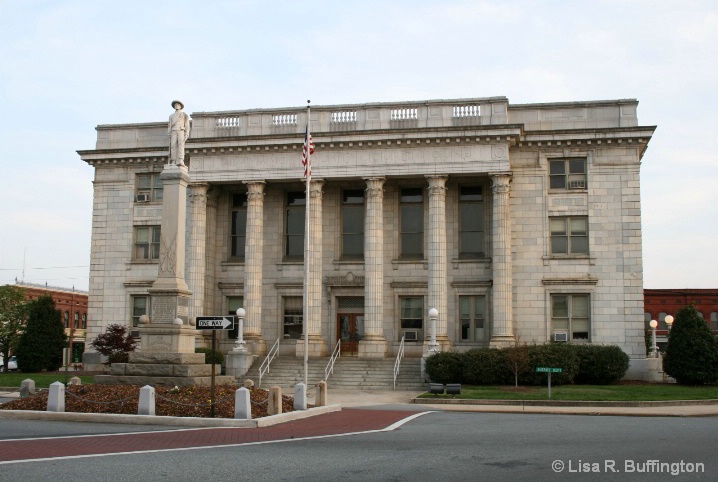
pixel 503 152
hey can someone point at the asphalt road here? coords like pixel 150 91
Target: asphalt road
pixel 444 446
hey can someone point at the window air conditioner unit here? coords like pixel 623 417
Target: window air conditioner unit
pixel 142 198
pixel 411 335
pixel 560 337
pixel 135 333
pixel 577 184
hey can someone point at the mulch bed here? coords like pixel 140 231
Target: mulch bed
pixel 123 399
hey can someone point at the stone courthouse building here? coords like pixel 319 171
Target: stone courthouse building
pixel 514 221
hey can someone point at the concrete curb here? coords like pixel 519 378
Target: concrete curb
pixel 169 421
pixel 561 403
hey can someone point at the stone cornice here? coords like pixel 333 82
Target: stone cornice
pixel 569 281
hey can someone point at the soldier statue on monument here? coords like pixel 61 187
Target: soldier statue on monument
pixel 178 130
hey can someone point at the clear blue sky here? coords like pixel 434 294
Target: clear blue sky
pixel 69 65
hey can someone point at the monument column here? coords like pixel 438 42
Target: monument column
pixel 313 265
pixel 502 325
pixel 253 265
pixel 373 345
pixel 438 266
pixel 196 264
pixel 169 330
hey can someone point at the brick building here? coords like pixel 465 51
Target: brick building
pixel 513 220
pixel 660 303
pixel 72 305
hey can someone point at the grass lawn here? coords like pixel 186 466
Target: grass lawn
pixel 42 380
pixel 634 393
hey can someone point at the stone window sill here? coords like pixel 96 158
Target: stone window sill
pixel 590 260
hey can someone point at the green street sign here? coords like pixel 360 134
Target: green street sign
pixel 548 370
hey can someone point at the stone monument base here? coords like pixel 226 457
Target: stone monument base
pixel 166 369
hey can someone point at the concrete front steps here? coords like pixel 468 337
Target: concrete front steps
pixel 350 373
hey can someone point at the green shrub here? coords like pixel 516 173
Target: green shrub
pixel 40 346
pixel 600 365
pixel 486 366
pixel 445 367
pixel 554 356
pixel 692 352
pixel 210 355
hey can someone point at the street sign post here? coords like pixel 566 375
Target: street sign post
pixel 214 323
pixel 549 370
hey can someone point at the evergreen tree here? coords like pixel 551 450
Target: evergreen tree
pixel 40 347
pixel 692 352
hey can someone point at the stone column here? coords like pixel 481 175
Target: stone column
pixel 502 333
pixel 373 345
pixel 438 266
pixel 317 345
pixel 253 264
pixel 196 264
pixel 170 294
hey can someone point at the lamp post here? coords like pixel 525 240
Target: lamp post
pixel 433 346
pixel 654 347
pixel 239 344
pixel 669 322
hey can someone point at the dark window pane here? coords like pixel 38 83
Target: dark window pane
pixel 577 166
pixel 559 307
pixel 239 222
pixel 239 200
pixel 559 244
pixel 472 217
pixel 579 244
pixel 471 193
pixel 295 245
pixel 295 221
pixel 353 197
pixel 412 195
pixel 296 199
pixel 472 243
pixel 353 245
pixel 558 182
pixel 412 245
pixel 557 167
pixel 412 219
pixel 465 329
pixel 353 219
pixel 238 245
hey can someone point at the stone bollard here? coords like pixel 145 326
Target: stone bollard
pixel 274 402
pixel 27 388
pixel 147 401
pixel 242 404
pixel 75 381
pixel 248 383
pixel 300 396
pixel 322 393
pixel 56 398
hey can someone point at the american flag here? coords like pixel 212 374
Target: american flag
pixel 307 151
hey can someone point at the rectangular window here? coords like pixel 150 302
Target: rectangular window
pixel 148 187
pixel 569 235
pixel 295 218
pixel 472 318
pixel 233 304
pixel 140 306
pixel 412 318
pixel 147 242
pixel 570 315
pixel 567 174
pixel 412 223
pixel 353 224
pixel 239 225
pixel 471 222
pixel 293 316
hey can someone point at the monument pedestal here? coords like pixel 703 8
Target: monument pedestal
pixel 237 364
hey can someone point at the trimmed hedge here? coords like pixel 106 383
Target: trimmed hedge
pixel 585 364
pixel 209 354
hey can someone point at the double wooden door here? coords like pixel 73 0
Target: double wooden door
pixel 350 330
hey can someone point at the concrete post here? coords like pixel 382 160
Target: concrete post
pixel 242 404
pixel 27 388
pixel 322 395
pixel 56 398
pixel 147 401
pixel 300 396
pixel 75 381
pixel 274 402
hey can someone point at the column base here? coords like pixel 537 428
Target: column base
pixel 443 342
pixel 502 341
pixel 374 347
pixel 316 344
pixel 255 344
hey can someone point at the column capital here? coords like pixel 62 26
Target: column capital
pixel 255 190
pixel 374 186
pixel 315 188
pixel 500 183
pixel 198 192
pixel 437 184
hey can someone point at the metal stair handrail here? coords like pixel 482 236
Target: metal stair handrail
pixel 397 363
pixel 329 370
pixel 264 367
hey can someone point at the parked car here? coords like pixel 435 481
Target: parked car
pixel 11 364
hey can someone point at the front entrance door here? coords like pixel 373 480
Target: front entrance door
pixel 350 329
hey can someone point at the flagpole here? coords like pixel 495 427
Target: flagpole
pixel 307 226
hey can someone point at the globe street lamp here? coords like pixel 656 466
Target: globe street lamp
pixel 669 322
pixel 239 344
pixel 654 347
pixel 433 346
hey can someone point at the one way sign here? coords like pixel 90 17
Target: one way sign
pixel 214 322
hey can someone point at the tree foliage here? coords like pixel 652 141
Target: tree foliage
pixel 115 343
pixel 40 346
pixel 12 313
pixel 692 351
